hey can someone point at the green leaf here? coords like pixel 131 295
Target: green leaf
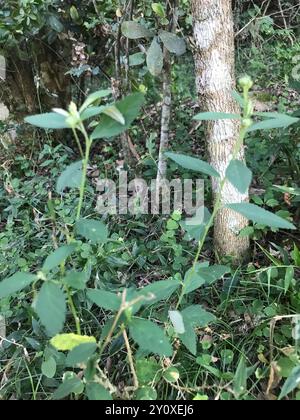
pixel 48 120
pixel 195 227
pixel 150 337
pixel 276 121
pixel 70 177
pixel 158 9
pixel 196 316
pixel 134 30
pixel 136 59
pixel 76 279
pixel 239 99
pixel 129 108
pixel 173 43
pixel 292 382
pixel 15 283
pixel 67 342
pixel 161 290
pixel 147 371
pixel 49 367
pixel 200 275
pixel 155 58
pixel 177 321
pixel 189 339
pixel 240 378
pixel 146 393
pixel 55 23
pixel 239 175
pixel 58 256
pixel 92 230
pixel 193 280
pixel 113 112
pixel 93 97
pixel 171 374
pixel 91 112
pixel 51 307
pixel 81 354
pixel 261 216
pixel 97 392
pixel 69 386
pixel 214 116
pixel 192 164
pixel 103 299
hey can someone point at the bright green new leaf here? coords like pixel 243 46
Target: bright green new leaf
pixel 15 283
pixel 261 216
pixel 92 230
pixel 155 58
pixel 67 342
pixel 150 337
pixel 192 164
pixel 158 8
pixel 103 299
pixel 58 256
pixel 51 120
pixel 134 30
pixel 97 392
pixel 70 177
pixel 81 354
pixel 129 107
pixel 214 116
pixel 173 43
pixel 239 175
pixel 51 307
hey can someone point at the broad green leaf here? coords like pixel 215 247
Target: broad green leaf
pixel 203 275
pixel 71 385
pixel 155 58
pixel 55 23
pixel 129 108
pixel 177 321
pixel 292 382
pixel 91 112
pixel 240 378
pixel 213 272
pixel 51 307
pixel 58 256
pixel 150 337
pixel 193 280
pixel 192 164
pixel 158 9
pixel 113 112
pixel 48 120
pixel 189 338
pixel 93 97
pixel 173 43
pixel 136 59
pixel 148 371
pixel 239 175
pixel 134 30
pixel 97 392
pixel 214 116
pixel 81 354
pixel 92 230
pixel 70 177
pixel 49 367
pixel 239 99
pixel 171 374
pixel 67 342
pixel 261 216
pixel 161 290
pixel 276 121
pixel 195 227
pixel 15 283
pixel 103 299
pixel 76 279
pixel 146 393
pixel 196 316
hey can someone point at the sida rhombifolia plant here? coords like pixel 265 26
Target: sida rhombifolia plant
pixel 54 286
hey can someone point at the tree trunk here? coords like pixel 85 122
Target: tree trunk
pixel 214 60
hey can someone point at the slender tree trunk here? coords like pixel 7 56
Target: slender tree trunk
pixel 167 101
pixel 214 60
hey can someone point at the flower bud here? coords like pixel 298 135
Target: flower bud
pixel 247 122
pixel 246 82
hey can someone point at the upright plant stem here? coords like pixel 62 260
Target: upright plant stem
pixel 88 144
